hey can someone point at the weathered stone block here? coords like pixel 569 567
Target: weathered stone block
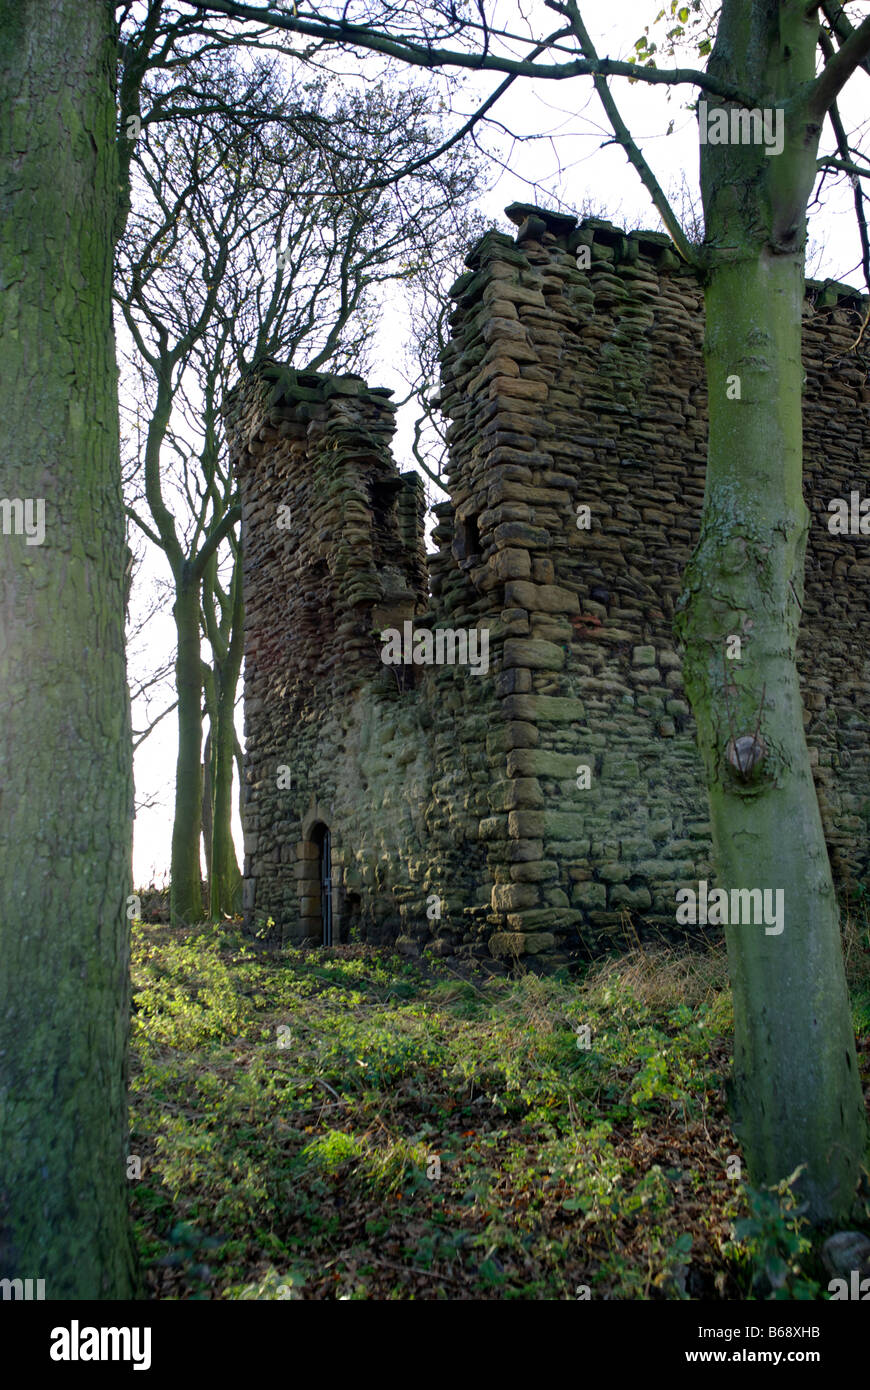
pixel 539 762
pixel 513 532
pixel 623 896
pixel 614 873
pixel 589 895
pixel 545 709
pixel 542 598
pixel 538 941
pixel 511 564
pixel 506 490
pixel 523 851
pixel 517 389
pixel 556 897
pixel 536 656
pixel 505 795
pixel 513 897
pixel 516 681
pixel 519 735
pixel 506 944
pixel 513 293
pixel 513 622
pixel 542 566
pixel 544 871
pixel 526 825
pixel 493 828
pixel 543 919
pixel 563 825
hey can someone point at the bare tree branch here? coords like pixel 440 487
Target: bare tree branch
pixel 837 71
pixel 139 738
pixel 623 134
pixel 421 54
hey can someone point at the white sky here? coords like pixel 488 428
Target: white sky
pixel 568 163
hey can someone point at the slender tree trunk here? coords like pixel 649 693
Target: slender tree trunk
pixel 207 805
pixel 795 1091
pixel 186 888
pixel 240 772
pixel 65 742
pixel 796 1094
pixel 225 885
pixel 226 879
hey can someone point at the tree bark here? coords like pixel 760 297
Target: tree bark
pixel 65 738
pixel 186 887
pixel 207 802
pixel 796 1094
pixel 226 878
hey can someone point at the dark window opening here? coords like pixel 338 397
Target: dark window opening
pixel 323 840
pixel 382 494
pixel 466 542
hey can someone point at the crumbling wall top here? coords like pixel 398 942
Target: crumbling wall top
pixel 548 227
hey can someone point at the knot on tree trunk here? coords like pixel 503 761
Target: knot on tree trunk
pixel 746 754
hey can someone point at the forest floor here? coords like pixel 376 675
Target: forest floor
pixel 345 1124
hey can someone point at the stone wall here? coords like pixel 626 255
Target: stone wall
pixel 333 553
pixel 566 388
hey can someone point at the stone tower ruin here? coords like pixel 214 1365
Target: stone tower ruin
pixel 547 799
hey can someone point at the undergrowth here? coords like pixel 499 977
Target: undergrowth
pixel 344 1124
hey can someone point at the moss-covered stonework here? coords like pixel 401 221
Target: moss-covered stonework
pixel 458 813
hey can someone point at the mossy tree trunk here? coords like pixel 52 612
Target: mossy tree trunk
pixel 796 1095
pixel 186 886
pixel 226 878
pixel 224 623
pixel 65 738
pixel 207 801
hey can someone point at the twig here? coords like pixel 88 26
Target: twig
pixel 320 1081
pixel 415 1269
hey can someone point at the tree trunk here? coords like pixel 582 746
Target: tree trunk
pixel 65 740
pixel 796 1094
pixel 795 1091
pixel 226 880
pixel 225 884
pixel 186 887
pixel 207 803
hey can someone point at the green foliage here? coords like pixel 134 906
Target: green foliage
pixel 383 1167
pixel 557 1165
pixel 771 1243
pixel 689 25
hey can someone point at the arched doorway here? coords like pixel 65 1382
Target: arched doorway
pixel 323 841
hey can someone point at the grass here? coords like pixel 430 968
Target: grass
pixel 343 1124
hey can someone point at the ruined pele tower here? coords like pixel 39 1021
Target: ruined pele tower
pixel 524 778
